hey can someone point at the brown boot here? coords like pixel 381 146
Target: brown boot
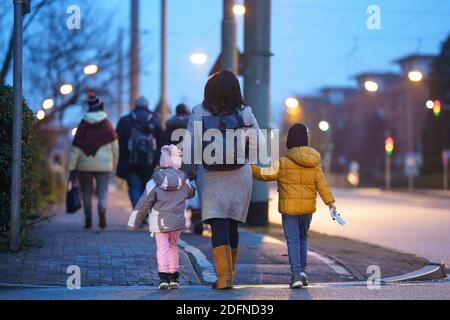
pixel 102 218
pixel 224 267
pixel 234 255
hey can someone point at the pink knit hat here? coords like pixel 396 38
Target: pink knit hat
pixel 171 157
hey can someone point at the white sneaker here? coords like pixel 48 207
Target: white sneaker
pixel 304 279
pixel 296 283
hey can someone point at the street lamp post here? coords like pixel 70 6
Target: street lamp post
pixel 230 57
pixel 325 127
pixel 163 108
pixel 21 8
pixel 257 89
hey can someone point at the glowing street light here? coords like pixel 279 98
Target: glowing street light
pixel 40 115
pixel 48 104
pixel 66 89
pixel 199 58
pixel 371 86
pixel 415 76
pixel 90 70
pixel 292 103
pixel 74 132
pixel 239 9
pixel 430 104
pixel 324 126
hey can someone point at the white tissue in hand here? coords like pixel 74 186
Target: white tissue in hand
pixel 336 216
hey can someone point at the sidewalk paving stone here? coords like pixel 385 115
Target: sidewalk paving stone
pixel 114 257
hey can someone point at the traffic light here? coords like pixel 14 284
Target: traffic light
pixel 389 146
pixel 437 108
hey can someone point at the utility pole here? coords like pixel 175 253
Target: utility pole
pixel 230 55
pixel 163 108
pixel 120 106
pixel 21 8
pixel 257 89
pixel 134 53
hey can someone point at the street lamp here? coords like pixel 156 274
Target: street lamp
pixel 324 126
pixel 90 69
pixel 371 86
pixel 66 89
pixel 48 104
pixel 199 58
pixel 40 115
pixel 415 76
pixel 74 131
pixel 292 103
pixel 430 104
pixel 239 10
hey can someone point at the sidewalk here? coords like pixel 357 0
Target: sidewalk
pixel 115 257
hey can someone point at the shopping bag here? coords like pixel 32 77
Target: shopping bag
pixel 73 201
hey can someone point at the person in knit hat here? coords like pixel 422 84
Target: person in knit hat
pixel 165 198
pixel 300 177
pixel 94 155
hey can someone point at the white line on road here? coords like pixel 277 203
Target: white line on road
pixel 329 262
pixel 207 268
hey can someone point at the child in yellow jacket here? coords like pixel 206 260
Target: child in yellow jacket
pixel 300 177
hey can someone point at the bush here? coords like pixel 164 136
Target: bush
pixel 30 160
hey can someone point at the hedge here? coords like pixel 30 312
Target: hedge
pixel 30 160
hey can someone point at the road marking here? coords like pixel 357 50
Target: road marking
pixel 338 269
pixel 207 268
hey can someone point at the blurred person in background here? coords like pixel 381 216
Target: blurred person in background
pixel 93 156
pixel 140 140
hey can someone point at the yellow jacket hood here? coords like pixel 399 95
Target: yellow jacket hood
pixel 304 156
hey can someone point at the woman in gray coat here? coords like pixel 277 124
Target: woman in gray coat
pixel 225 192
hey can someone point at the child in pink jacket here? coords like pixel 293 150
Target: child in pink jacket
pixel 165 201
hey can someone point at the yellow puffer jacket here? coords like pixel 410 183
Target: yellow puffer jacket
pixel 300 177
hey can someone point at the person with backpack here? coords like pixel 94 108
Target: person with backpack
pixel 178 121
pixel 225 187
pixel 93 156
pixel 140 142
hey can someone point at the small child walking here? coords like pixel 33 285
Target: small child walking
pixel 165 201
pixel 299 176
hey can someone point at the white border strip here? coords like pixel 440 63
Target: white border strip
pixel 207 268
pixel 338 269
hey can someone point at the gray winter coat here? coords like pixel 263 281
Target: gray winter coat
pixel 224 194
pixel 165 201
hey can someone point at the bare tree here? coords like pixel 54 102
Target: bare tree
pixel 8 55
pixel 57 55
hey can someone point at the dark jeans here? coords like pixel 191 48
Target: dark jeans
pixel 224 232
pixel 136 186
pixel 87 189
pixel 296 232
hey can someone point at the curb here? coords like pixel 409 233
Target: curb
pixel 432 271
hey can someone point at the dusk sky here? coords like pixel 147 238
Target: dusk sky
pixel 315 43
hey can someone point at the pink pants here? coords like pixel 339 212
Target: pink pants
pixel 167 251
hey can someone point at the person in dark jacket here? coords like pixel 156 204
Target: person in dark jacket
pixel 178 121
pixel 148 125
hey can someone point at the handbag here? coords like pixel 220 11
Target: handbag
pixel 73 202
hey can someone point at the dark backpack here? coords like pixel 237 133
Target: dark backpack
pixel 224 124
pixel 142 146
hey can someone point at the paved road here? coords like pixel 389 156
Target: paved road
pixel 424 291
pixel 413 223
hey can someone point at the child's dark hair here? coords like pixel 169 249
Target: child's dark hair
pixel 297 136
